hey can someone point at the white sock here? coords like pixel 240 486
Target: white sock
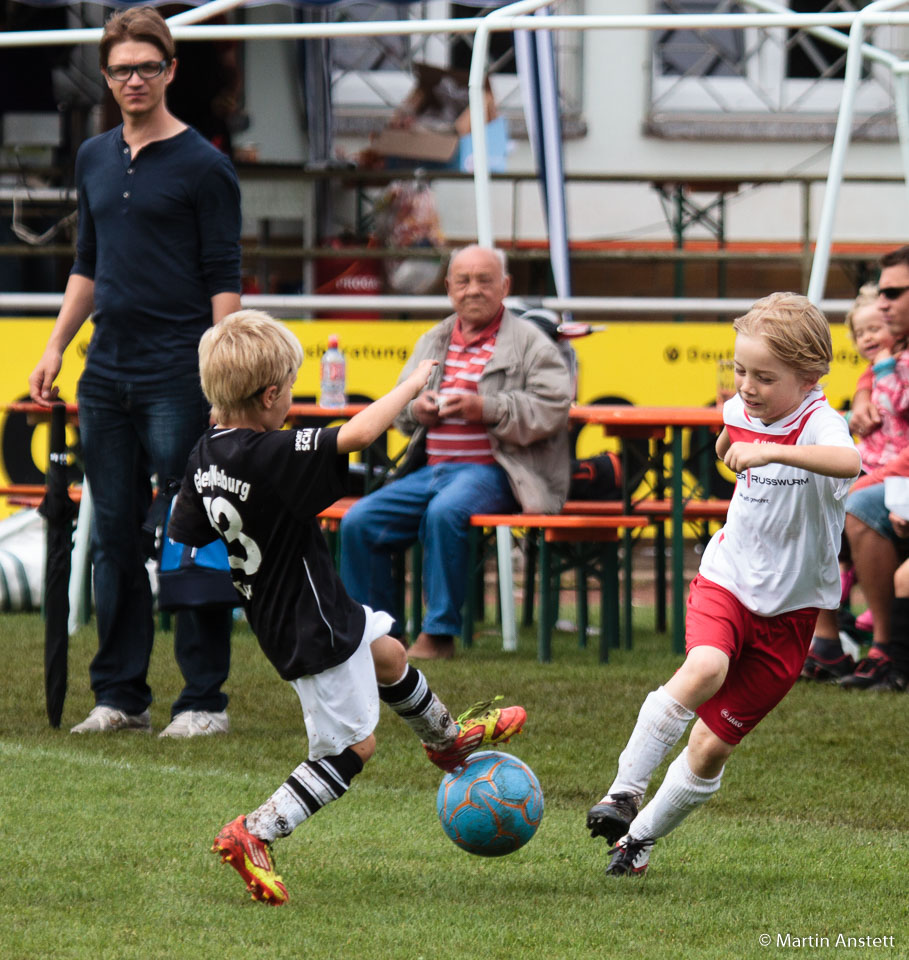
pixel 680 792
pixel 313 784
pixel 660 725
pixel 425 714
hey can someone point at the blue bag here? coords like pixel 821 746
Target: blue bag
pixel 191 577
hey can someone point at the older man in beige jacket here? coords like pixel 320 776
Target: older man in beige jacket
pixel 489 434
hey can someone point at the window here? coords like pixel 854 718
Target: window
pixel 372 75
pixel 756 76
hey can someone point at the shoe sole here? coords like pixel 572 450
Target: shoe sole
pixel 449 766
pixel 194 733
pixel 854 682
pixel 829 672
pixel 113 730
pixel 631 872
pixel 602 821
pixel 825 677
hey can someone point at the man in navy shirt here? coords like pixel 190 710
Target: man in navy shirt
pixel 157 262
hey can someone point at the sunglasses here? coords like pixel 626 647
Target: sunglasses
pixel 892 293
pixel 121 72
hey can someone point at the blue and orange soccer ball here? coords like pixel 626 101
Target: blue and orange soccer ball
pixel 491 805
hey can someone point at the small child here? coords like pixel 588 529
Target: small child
pixel 763 577
pixel 259 489
pixel 889 379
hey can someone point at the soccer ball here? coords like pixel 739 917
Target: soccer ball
pixel 491 805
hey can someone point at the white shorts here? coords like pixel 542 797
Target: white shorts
pixel 341 704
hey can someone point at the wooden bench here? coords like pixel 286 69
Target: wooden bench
pixel 657 509
pixel 583 537
pixel 334 514
pixel 658 512
pixel 31 494
pixel 331 518
pixel 564 541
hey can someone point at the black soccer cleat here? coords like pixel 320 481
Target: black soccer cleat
pixel 630 858
pixel 612 816
pixel 827 671
pixel 869 673
pixel 894 682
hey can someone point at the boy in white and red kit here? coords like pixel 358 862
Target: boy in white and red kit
pixel 764 576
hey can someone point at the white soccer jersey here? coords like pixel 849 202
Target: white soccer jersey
pixel 778 549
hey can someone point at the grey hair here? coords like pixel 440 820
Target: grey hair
pixel 498 254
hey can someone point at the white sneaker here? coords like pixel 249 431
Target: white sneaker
pixel 110 720
pixel 196 723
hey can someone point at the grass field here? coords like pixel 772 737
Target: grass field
pixel 105 838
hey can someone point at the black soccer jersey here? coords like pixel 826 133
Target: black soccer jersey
pixel 260 493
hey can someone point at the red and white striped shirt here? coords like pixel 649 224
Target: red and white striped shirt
pixel 464 364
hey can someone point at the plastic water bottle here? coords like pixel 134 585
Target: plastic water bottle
pixel 334 376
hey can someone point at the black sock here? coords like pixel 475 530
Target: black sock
pixel 826 649
pixel 898 648
pixel 312 785
pixel 415 703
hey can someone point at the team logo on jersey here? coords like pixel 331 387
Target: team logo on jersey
pixel 215 478
pixel 303 441
pixel 773 481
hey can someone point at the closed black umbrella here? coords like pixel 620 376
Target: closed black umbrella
pixel 60 512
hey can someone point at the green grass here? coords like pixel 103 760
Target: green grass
pixel 105 838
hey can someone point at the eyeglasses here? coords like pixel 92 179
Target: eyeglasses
pixel 121 72
pixel 892 293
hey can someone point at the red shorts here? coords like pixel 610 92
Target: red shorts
pixel 766 655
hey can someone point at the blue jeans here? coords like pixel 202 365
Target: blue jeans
pixel 432 504
pixel 868 506
pixel 130 431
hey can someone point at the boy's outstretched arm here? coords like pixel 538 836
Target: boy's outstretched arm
pixel 828 461
pixel 369 424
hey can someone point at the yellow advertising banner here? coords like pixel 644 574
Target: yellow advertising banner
pixel 647 364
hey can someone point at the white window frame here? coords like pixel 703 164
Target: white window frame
pixel 377 90
pixel 765 88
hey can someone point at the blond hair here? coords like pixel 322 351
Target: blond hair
pixel 243 355
pixel 867 297
pixel 794 331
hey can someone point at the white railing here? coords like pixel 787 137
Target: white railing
pixel 298 305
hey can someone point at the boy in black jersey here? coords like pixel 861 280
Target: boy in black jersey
pixel 260 489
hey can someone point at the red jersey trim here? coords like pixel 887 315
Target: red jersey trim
pixel 789 432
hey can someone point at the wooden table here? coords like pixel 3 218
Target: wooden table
pixel 651 423
pixel 312 411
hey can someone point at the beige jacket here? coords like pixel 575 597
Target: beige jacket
pixel 526 393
